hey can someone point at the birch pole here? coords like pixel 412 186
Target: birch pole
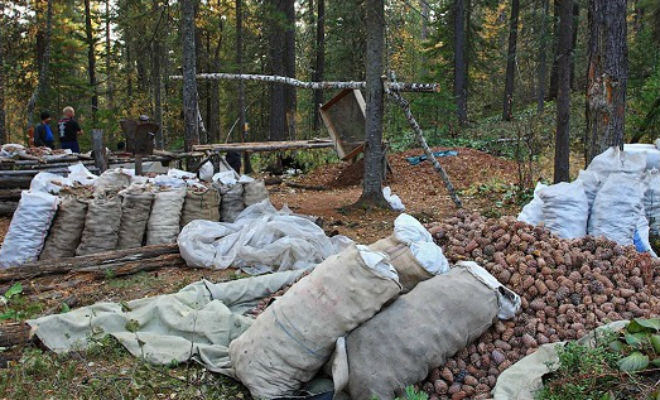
pixel 397 86
pixel 405 106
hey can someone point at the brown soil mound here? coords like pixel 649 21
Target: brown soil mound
pixel 468 167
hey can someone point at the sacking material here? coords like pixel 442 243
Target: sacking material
pixel 419 331
pixel 254 192
pixel 565 209
pixel 112 180
pixel 163 224
pixel 591 183
pixel 532 212
pixel 393 200
pixel 135 210
pixel 232 202
pixel 617 208
pixel 196 323
pixel 102 221
pixel 28 228
pixel 261 240
pixel 201 203
pixel 412 252
pixel 295 336
pixel 64 236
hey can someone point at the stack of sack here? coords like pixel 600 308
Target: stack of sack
pixel 617 196
pixel 81 214
pixel 376 318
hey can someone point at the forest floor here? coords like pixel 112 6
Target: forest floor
pixel 485 183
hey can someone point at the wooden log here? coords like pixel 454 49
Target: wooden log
pixel 15 182
pixel 132 267
pixel 10 194
pixel 266 146
pixel 98 148
pixel 93 262
pixel 402 87
pixel 7 208
pixel 14 333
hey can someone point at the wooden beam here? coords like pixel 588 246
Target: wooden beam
pixel 100 158
pixel 266 146
pixel 7 208
pixel 118 260
pixel 399 86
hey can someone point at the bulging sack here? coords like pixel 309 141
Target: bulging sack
pixel 294 337
pixel 419 331
pixel 232 202
pixel 65 234
pixel 135 210
pixel 532 212
pixel 163 225
pixel 102 221
pixel 407 264
pixel 201 204
pixel 254 192
pixel 28 228
pixel 565 209
pixel 617 208
pixel 652 199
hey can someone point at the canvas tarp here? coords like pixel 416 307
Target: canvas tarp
pixel 262 239
pixel 197 323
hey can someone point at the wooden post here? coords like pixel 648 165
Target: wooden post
pixel 100 158
pixel 138 164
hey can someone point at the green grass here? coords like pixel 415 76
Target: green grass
pixel 107 371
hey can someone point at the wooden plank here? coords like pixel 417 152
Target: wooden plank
pixel 100 158
pixel 7 208
pixel 266 146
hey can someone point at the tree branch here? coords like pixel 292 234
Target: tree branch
pixel 401 87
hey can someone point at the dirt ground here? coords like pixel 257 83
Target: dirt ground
pixel 480 178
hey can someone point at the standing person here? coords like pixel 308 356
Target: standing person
pixel 69 130
pixel 43 134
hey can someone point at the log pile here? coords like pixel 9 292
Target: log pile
pixel 568 288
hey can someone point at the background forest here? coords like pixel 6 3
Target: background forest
pixel 111 59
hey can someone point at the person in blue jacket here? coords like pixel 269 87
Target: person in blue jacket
pixel 43 134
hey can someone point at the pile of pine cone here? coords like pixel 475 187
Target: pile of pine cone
pixel 568 287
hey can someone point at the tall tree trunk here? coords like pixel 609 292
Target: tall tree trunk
pixel 214 118
pixel 562 142
pixel 290 67
pixel 552 92
pixel 373 155
pixel 156 78
pixel 507 113
pixel 91 60
pixel 3 131
pixel 542 63
pixel 129 73
pixel 242 117
pixel 320 60
pixel 108 58
pixel 574 37
pixel 607 76
pixel 190 108
pixel 44 62
pixel 460 79
pixel 277 50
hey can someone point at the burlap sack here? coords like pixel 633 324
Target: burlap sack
pixel 254 192
pixel 416 333
pixel 64 236
pixel 232 202
pixel 295 336
pixel 402 259
pixel 163 225
pixel 102 222
pixel 201 205
pixel 135 211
